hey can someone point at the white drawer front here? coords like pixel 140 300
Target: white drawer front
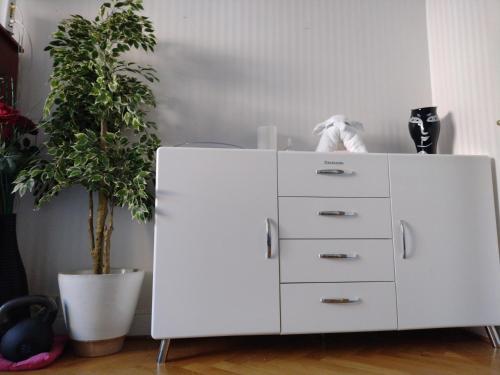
pixel 324 218
pixel 332 174
pixel 336 260
pixel 303 312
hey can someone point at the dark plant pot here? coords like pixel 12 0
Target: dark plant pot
pixel 13 282
pixel 424 126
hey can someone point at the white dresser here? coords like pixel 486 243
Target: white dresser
pixel 265 242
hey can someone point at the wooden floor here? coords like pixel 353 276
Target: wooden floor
pixel 389 353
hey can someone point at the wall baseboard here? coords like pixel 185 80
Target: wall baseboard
pixel 141 325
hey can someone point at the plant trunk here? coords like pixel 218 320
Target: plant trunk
pixel 100 233
pixel 106 248
pixel 95 263
pixel 102 213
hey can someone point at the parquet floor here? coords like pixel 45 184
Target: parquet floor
pixel 451 352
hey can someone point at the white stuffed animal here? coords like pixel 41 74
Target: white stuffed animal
pixel 338 130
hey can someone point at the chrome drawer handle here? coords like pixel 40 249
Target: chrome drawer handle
pixel 340 300
pixel 338 256
pixel 336 213
pixel 334 172
pixel 269 240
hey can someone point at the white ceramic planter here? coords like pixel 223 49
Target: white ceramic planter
pixel 98 309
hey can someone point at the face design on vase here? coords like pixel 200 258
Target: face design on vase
pixel 423 122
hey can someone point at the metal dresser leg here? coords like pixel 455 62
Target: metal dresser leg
pixel 163 353
pixel 494 336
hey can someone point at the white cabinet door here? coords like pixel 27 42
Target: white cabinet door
pixel 212 272
pixel 450 275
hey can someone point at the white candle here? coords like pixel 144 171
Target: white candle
pixel 267 137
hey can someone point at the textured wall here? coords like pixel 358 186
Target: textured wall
pixel 464 40
pixel 226 67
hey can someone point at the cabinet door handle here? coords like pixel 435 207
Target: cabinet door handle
pixel 336 213
pixel 334 172
pixel 269 240
pixel 338 256
pixel 340 300
pixel 403 237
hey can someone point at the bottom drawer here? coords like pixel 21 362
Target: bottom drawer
pixel 338 307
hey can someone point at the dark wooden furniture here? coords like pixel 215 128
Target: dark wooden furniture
pixel 9 60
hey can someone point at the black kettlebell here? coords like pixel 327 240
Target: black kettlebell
pixel 29 336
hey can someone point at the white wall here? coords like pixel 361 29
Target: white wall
pixel 226 67
pixel 464 39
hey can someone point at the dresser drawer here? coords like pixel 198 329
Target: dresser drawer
pixel 336 260
pixel 332 174
pixel 334 217
pixel 313 308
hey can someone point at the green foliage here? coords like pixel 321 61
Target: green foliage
pixel 15 154
pixel 95 114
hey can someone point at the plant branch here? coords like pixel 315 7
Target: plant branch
pixel 91 224
pixel 106 264
pixel 102 212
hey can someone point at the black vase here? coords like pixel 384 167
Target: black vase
pixel 424 128
pixel 13 282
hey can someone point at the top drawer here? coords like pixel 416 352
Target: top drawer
pixel 319 174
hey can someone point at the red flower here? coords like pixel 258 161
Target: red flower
pixel 11 121
pixel 8 115
pixel 8 118
pixel 5 132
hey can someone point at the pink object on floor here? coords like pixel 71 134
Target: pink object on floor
pixel 37 361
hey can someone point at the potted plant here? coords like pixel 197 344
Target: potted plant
pixel 16 150
pixel 99 138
